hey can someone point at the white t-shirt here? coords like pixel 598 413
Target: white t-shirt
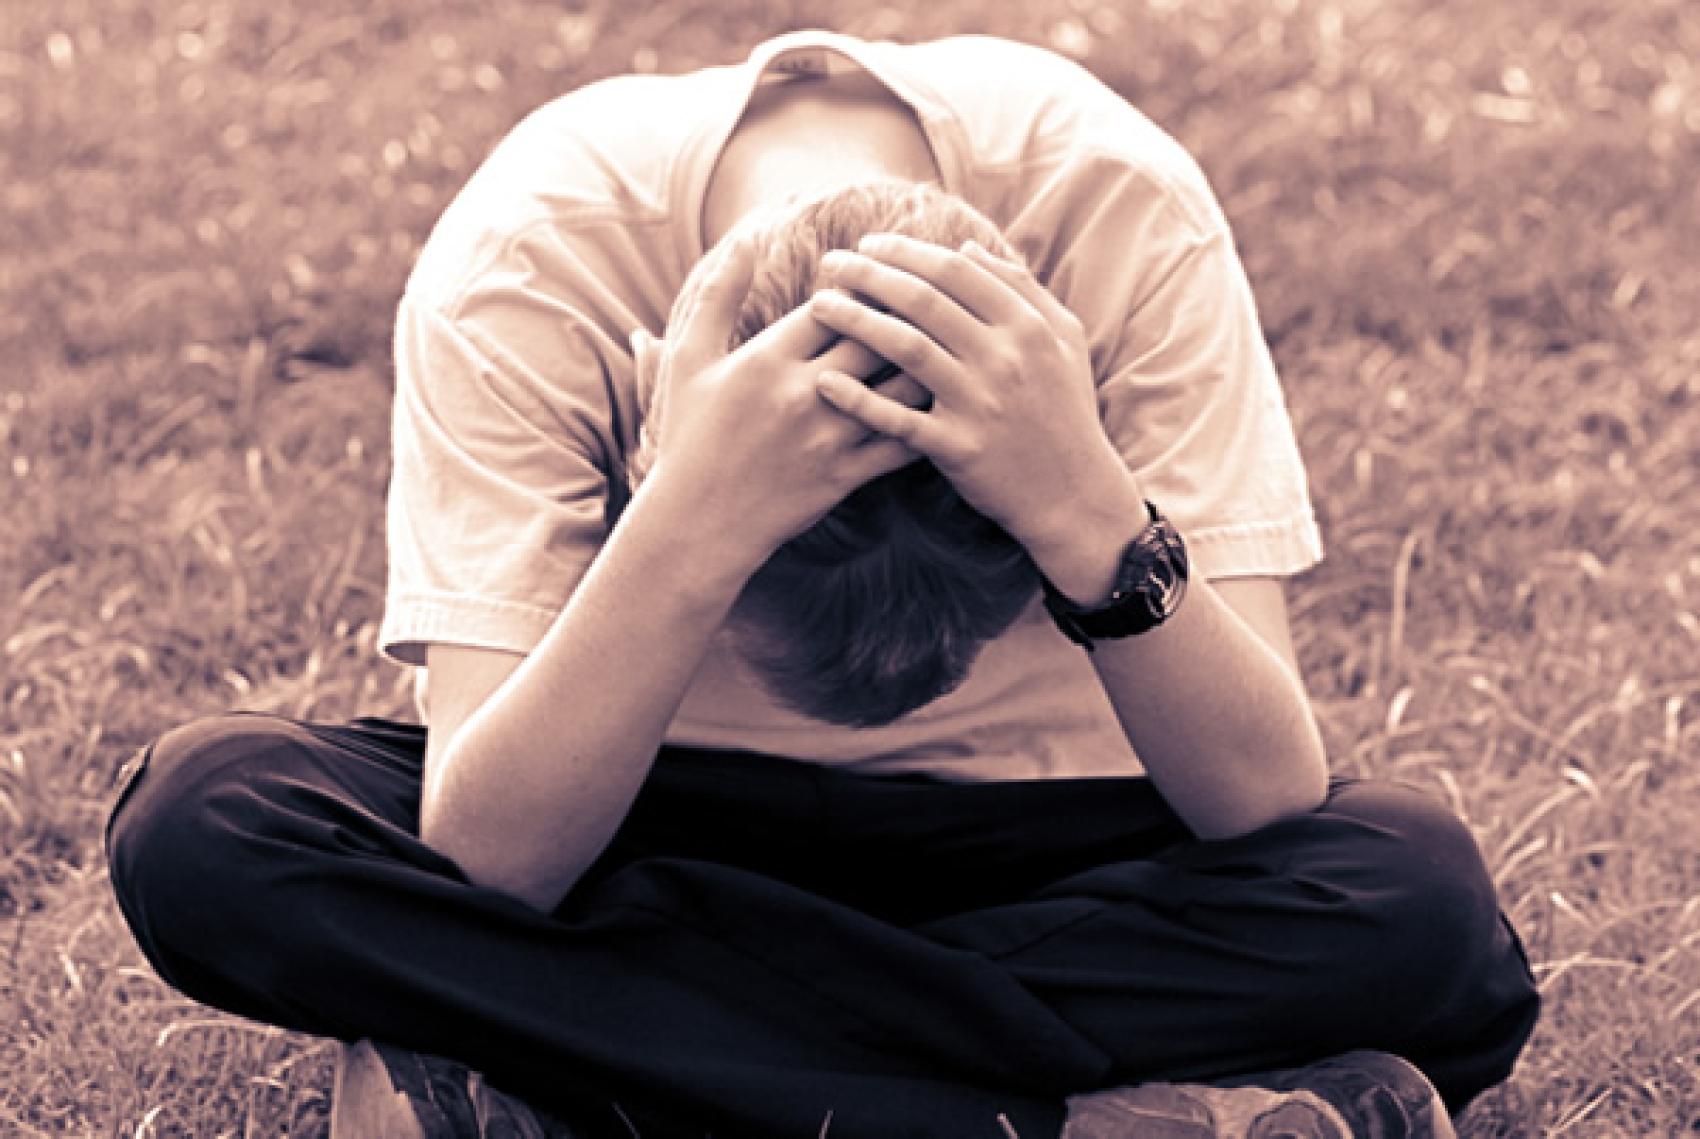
pixel 515 397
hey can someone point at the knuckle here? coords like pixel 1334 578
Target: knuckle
pixel 909 350
pixel 955 268
pixel 821 446
pixel 1032 332
pixel 890 424
pixel 907 429
pixel 958 452
pixel 1006 363
pixel 923 305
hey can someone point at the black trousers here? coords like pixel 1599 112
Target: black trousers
pixel 769 945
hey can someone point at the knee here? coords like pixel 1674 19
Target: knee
pixel 1418 879
pixel 180 841
pixel 1424 852
pixel 1443 969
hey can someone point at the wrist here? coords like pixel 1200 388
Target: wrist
pixel 710 551
pixel 1080 548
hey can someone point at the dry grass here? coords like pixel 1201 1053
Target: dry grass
pixel 1474 231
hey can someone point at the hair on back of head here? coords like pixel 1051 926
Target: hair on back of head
pixel 883 605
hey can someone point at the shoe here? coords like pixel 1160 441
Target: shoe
pixel 1357 1095
pixel 384 1092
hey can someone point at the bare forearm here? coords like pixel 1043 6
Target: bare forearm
pixel 531 788
pixel 1221 723
pixel 1216 713
pixel 540 764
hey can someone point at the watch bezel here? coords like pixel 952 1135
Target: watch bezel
pixel 1151 580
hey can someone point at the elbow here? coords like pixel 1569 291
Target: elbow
pixel 1303 794
pixel 1299 787
pixel 1278 805
pixel 1299 784
pixel 494 863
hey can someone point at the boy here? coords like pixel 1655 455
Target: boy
pixel 899 411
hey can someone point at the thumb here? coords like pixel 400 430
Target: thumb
pixel 712 318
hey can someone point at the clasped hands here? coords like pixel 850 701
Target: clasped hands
pixel 1014 421
pixel 995 387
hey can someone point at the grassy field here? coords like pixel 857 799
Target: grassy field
pixel 1474 230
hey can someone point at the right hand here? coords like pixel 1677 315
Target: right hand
pixel 746 433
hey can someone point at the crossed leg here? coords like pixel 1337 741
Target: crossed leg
pixel 768 943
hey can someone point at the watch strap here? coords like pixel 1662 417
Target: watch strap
pixel 1150 582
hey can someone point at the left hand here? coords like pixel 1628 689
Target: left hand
pixel 1014 422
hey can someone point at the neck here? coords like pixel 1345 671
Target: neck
pixel 809 136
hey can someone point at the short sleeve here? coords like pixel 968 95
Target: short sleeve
pixel 498 491
pixel 1121 224
pixel 1191 398
pixel 1131 239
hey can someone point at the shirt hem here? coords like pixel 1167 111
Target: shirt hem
pixel 414 620
pixel 1256 549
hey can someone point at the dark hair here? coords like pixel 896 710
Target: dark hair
pixel 882 605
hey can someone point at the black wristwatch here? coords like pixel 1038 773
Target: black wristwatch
pixel 1150 582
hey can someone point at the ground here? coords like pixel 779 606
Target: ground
pixel 1473 229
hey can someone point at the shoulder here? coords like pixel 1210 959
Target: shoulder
pixel 581 169
pixel 1003 62
pixel 1035 122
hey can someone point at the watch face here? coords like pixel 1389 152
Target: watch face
pixel 1165 572
pixel 1163 588
pixel 1150 583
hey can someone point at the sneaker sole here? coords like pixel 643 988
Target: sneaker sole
pixel 1197 1111
pixel 1378 1094
pixel 364 1101
pixel 1358 1095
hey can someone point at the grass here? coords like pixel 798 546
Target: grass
pixel 1472 226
